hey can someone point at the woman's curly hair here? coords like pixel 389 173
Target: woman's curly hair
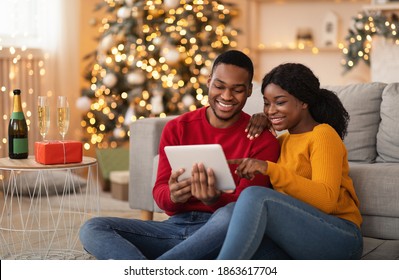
pixel 299 81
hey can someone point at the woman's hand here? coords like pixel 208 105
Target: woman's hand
pixel 257 124
pixel 248 167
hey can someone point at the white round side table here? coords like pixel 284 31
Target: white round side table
pixel 43 206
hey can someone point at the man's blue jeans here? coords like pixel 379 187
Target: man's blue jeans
pixel 192 235
pixel 270 225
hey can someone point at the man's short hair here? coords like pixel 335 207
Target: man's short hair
pixel 236 58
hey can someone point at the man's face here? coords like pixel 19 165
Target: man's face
pixel 229 87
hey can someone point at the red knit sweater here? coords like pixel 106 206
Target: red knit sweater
pixel 193 128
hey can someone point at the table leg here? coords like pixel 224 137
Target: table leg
pixel 43 211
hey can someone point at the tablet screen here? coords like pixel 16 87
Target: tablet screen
pixel 211 155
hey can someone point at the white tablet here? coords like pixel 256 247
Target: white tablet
pixel 211 155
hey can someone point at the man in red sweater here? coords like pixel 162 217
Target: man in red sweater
pixel 195 229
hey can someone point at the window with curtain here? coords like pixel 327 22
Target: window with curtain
pixel 20 23
pixel 31 33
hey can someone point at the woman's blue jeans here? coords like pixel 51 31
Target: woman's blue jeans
pixel 192 235
pixel 270 225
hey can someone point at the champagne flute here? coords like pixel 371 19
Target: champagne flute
pixel 62 115
pixel 43 110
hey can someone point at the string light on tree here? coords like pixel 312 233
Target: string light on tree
pixel 153 59
pixel 359 39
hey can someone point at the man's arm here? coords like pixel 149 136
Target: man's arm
pixel 162 190
pixel 265 147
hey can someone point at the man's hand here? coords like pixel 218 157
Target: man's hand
pixel 257 124
pixel 248 167
pixel 180 192
pixel 203 184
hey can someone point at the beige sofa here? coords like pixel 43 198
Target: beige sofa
pixel 373 152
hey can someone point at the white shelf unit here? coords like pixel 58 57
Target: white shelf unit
pixel 391 6
pixel 271 28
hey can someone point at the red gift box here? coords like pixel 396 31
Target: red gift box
pixel 58 152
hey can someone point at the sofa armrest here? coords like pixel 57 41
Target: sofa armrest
pixel 144 140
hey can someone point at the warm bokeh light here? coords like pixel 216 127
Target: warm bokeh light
pixel 359 39
pixel 150 56
pixel 21 60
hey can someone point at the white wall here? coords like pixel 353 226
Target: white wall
pixel 267 22
pixel 385 61
pixel 280 22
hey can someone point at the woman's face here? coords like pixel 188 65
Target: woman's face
pixel 284 110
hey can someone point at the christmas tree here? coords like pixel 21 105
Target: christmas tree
pixel 153 59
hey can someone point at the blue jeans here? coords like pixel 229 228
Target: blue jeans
pixel 270 225
pixel 192 235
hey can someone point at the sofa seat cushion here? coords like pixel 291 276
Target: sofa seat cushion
pixel 362 101
pixel 380 227
pixel 378 249
pixel 388 132
pixel 378 191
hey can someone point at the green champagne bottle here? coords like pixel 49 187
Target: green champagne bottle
pixel 17 130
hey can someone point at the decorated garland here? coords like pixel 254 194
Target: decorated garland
pixel 365 26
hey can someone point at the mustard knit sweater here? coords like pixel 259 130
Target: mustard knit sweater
pixel 313 167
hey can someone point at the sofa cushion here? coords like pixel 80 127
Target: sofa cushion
pixel 378 192
pixel 388 132
pixel 377 249
pixel 380 227
pixel 362 101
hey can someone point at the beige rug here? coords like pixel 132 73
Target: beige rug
pixel 47 226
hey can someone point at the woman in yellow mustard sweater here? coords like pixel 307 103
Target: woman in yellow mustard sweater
pixel 313 210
